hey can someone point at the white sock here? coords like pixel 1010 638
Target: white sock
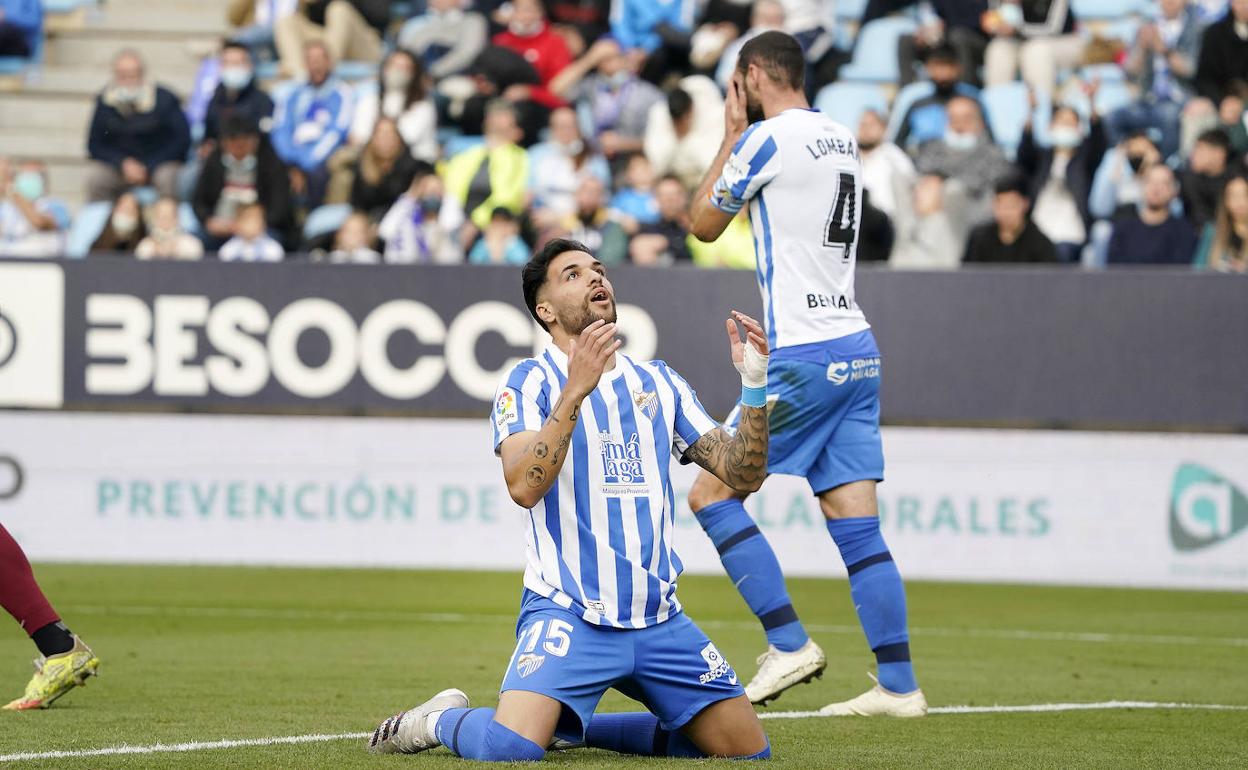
pixel 431 721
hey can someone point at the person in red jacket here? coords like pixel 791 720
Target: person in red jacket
pixel 530 35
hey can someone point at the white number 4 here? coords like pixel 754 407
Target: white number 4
pixel 558 640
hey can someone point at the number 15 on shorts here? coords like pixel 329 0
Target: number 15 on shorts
pixel 558 641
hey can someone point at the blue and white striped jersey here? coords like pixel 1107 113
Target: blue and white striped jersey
pixel 801 175
pixel 600 541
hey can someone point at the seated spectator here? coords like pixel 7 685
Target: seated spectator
pixel 349 29
pixel 353 243
pixel 423 225
pixel 21 26
pixel 447 38
pixel 124 230
pixel 138 134
pixel 885 166
pixel 251 242
pixel 1011 236
pixel 1222 68
pixel 1037 37
pixel 954 23
pixel 1224 243
pixel 930 226
pixel 683 134
pixel 966 153
pixel 165 237
pixel 32 224
pixel 733 249
pixel 590 223
pixel 655 36
pixel 1231 120
pixel 926 119
pixel 500 244
pixel 403 96
pixel 1161 66
pixel 238 93
pixel 581 22
pixel 1059 178
pixel 765 16
pixel 243 170
pixel 1204 176
pixel 311 124
pixel 384 171
pixel 506 169
pixel 253 22
pixel 557 168
pixel 1119 181
pixel 665 241
pixel 529 35
pixel 634 204
pixel 616 100
pixel 1154 235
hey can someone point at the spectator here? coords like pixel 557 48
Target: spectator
pixel 403 96
pixel 1037 37
pixel 349 29
pixel 21 27
pixel 665 241
pixel 500 244
pixel 1154 235
pixel 237 94
pixel 1231 120
pixel 955 24
pixel 1059 178
pixel 885 166
pixel 494 174
pixel 926 119
pixel 384 171
pixel 1161 65
pixel 580 21
pixel 1011 236
pixel 967 154
pixel 124 230
pixel 733 249
pixel 353 243
pixel 243 170
pixel 32 224
pixel 253 22
pixel 165 237
pixel 654 35
pixel 766 15
pixel 423 225
pixel 1224 243
pixel 250 242
pixel 529 35
pixel 634 204
pixel 682 134
pixel 1119 181
pixel 617 101
pixel 591 224
pixel 1222 68
pixel 557 167
pixel 930 227
pixel 447 38
pixel 311 124
pixel 1204 177
pixel 138 135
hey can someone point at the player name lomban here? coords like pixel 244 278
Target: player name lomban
pixel 823 147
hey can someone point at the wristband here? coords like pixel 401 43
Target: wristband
pixel 755 397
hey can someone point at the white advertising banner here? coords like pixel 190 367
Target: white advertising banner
pixel 1166 510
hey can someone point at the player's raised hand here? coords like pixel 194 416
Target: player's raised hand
pixel 588 357
pixel 750 355
pixel 735 120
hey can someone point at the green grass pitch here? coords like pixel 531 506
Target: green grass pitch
pixel 206 654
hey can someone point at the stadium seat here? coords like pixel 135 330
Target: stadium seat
pixel 352 70
pixel 86 227
pixel 457 144
pixel 1086 10
pixel 845 102
pixel 325 219
pixel 905 98
pixel 1125 29
pixel 850 10
pixel 1105 73
pixel 875 54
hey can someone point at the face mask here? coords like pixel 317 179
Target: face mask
pixel 396 79
pixel 128 94
pixel 125 224
pixel 572 148
pixel 164 233
pixel 431 205
pixel 235 78
pixel 1136 162
pixel 1012 15
pixel 246 164
pixel 958 141
pixel 525 30
pixel 945 89
pixel 29 185
pixel 1066 137
pixel 620 78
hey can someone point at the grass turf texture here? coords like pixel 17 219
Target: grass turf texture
pixel 203 654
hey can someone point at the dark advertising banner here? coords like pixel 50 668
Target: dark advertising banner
pixel 1020 346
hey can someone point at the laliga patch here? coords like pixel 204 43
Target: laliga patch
pixel 506 408
pixel 717 666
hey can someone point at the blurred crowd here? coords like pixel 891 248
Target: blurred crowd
pixel 486 128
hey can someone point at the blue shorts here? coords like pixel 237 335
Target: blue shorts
pixel 672 667
pixel 824 412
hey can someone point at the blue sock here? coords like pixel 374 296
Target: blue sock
pixel 753 568
pixel 876 588
pixel 639 733
pixel 473 734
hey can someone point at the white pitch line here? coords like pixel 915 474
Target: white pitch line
pixel 174 748
pixel 340 616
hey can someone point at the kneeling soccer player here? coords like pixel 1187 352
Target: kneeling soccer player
pixel 584 434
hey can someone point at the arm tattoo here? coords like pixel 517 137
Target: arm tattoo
pixel 557 457
pixel 540 449
pixel 739 461
pixel 536 476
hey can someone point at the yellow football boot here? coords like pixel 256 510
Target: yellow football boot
pixel 56 676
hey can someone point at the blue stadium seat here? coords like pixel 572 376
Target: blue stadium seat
pixel 850 10
pixel 457 144
pixel 875 54
pixel 1125 29
pixel 326 219
pixel 351 70
pixel 1085 10
pixel 86 227
pixel 845 102
pixel 1106 73
pixel 1007 110
pixel 906 97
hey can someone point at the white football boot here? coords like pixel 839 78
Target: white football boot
pixel 412 731
pixel 878 702
pixel 778 671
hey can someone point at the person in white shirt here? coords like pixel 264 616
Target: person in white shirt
pixel 885 166
pixel 31 223
pixel 165 237
pixel 402 95
pixel 423 225
pixel 250 242
pixel 682 132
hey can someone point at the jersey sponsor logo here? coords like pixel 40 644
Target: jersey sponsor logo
pixel 841 372
pixel 506 408
pixel 622 465
pixel 1205 508
pixel 647 402
pixel 717 666
pixel 596 606
pixel 529 663
pixel 838 372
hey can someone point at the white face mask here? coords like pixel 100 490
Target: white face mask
pixel 124 223
pixel 396 79
pixel 959 141
pixel 1066 137
pixel 572 148
pixel 525 30
pixel 235 78
pixel 1011 14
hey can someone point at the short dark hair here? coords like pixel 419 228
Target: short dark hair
pixel 943 52
pixel 236 45
pixel 236 124
pixel 533 275
pixel 1012 182
pixel 1216 137
pixel 679 103
pixel 779 55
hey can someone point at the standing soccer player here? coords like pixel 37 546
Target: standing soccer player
pixel 64 661
pixel 800 174
pixel 585 434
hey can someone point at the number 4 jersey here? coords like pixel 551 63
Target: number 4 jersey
pixel 801 176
